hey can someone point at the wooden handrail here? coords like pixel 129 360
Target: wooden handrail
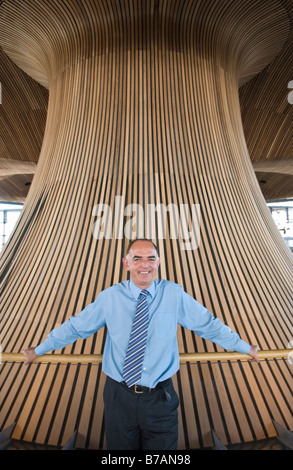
pixel 184 357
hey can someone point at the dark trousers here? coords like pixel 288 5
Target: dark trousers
pixel 147 421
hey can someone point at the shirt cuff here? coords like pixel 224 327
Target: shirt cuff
pixel 243 347
pixel 42 349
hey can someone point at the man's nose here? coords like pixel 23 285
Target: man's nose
pixel 145 262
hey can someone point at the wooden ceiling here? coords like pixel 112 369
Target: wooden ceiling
pixel 267 117
pixel 23 118
pixel 266 112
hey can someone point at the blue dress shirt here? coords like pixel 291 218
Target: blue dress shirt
pixel 168 304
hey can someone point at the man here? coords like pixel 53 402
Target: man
pixel 140 401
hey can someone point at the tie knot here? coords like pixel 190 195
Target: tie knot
pixel 144 292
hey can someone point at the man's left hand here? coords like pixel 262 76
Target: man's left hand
pixel 253 353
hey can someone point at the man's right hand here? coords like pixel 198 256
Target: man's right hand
pixel 29 355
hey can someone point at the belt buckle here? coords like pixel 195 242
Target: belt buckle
pixel 137 391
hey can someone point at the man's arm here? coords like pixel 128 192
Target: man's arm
pixel 83 325
pixel 199 319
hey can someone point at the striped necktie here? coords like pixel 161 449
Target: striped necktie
pixel 137 342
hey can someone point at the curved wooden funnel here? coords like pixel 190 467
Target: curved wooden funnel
pixel 144 114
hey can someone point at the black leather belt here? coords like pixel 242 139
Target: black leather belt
pixel 142 389
pixel 137 388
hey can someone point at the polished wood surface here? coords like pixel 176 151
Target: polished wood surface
pixel 144 104
pixel 184 357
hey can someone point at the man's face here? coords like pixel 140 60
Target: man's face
pixel 142 262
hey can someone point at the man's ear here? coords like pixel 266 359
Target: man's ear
pixel 125 263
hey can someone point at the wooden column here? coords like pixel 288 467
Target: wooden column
pixel 144 109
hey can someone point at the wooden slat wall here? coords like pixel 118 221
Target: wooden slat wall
pixel 143 103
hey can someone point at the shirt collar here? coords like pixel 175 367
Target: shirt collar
pixel 137 290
